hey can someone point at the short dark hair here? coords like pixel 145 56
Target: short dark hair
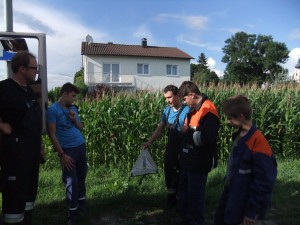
pixel 236 105
pixel 21 58
pixel 68 88
pixel 188 87
pixel 171 88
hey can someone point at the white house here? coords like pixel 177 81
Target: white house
pixel 140 67
pixel 296 75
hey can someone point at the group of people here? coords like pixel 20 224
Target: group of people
pixel 192 123
pixel 22 150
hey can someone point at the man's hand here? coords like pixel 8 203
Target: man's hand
pixel 67 162
pixel 42 155
pixel 146 144
pixel 248 221
pixel 184 128
pixel 5 128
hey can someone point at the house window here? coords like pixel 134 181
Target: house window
pixel 172 70
pixel 111 73
pixel 143 69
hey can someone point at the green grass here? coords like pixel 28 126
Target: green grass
pixel 114 198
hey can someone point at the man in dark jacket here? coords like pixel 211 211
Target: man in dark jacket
pixel 21 128
pixel 198 155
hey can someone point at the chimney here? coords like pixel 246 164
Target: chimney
pixel 144 42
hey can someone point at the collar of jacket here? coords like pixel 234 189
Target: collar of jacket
pixel 198 106
pixel 247 136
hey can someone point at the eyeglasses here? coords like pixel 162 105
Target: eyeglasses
pixel 32 67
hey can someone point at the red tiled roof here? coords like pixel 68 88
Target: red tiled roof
pixel 132 50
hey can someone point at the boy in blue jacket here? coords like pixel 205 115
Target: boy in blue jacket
pixel 251 169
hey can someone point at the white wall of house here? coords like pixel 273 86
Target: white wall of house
pixel 156 79
pixel 296 75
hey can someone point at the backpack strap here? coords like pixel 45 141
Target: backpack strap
pixel 168 114
pixel 177 116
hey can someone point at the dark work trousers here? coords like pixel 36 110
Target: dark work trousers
pixel 74 179
pixel 171 166
pixel 191 196
pixel 20 159
pixel 219 215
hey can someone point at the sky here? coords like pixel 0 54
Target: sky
pixel 194 26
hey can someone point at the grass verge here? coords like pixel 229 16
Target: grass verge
pixel 116 199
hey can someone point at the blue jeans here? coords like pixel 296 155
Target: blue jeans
pixel 191 196
pixel 74 179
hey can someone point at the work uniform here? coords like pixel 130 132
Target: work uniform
pixel 197 158
pixel 73 144
pixel 250 177
pixel 173 121
pixel 20 151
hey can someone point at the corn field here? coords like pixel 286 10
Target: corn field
pixel 117 125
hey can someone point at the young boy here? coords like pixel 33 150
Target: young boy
pixel 251 169
pixel 64 130
pixel 172 118
pixel 198 152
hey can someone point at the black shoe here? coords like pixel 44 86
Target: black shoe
pixel 81 211
pixel 72 221
pixel 171 203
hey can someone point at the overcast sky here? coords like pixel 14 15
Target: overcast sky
pixel 193 26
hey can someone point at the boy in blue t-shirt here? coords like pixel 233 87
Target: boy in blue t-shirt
pixel 172 118
pixel 64 130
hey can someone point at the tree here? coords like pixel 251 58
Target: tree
pixel 206 77
pixel 194 69
pixel 252 58
pixel 203 65
pixel 79 82
pixel 201 73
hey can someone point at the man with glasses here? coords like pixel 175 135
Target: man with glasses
pixel 198 154
pixel 21 147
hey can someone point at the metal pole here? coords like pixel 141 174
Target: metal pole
pixel 8 12
pixel 8 18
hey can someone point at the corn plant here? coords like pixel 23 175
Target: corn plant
pixel 117 125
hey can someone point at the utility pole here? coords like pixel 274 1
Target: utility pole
pixel 8 15
pixel 8 18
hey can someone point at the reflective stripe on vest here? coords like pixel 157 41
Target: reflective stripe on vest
pixel 171 190
pixel 13 218
pixel 73 209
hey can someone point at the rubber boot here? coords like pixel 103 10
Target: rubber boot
pixel 20 223
pixel 27 217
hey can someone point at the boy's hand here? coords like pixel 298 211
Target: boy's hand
pixel 72 116
pixel 67 162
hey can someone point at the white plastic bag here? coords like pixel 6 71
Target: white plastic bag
pixel 144 164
